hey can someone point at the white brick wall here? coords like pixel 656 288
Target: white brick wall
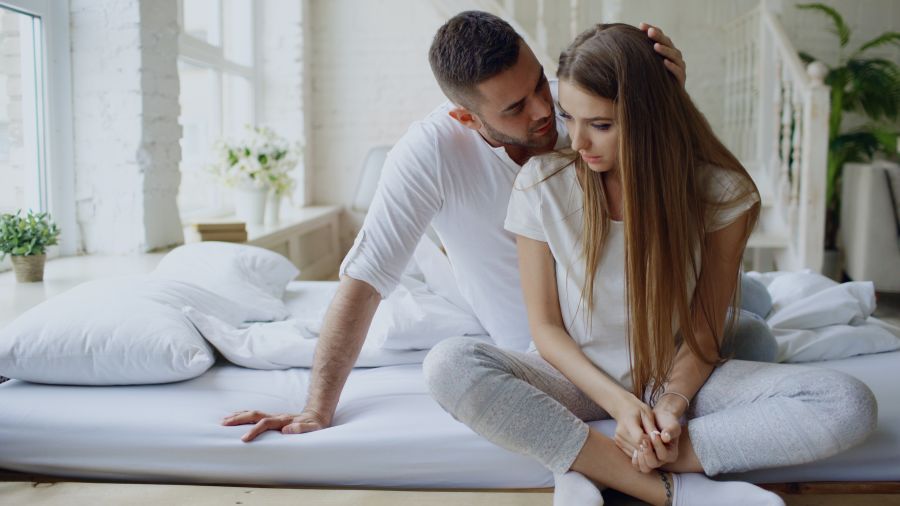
pixel 370 79
pixel 125 94
pixel 281 69
pixel 367 80
pixel 11 163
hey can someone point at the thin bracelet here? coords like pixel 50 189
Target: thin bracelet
pixel 672 392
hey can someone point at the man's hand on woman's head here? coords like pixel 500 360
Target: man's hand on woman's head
pixel 674 61
pixel 307 421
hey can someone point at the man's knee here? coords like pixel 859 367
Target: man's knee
pixel 751 339
pixel 755 297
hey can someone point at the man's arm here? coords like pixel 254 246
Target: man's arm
pixel 407 199
pixel 340 340
pixel 343 333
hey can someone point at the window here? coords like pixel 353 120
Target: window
pixel 217 70
pixel 36 169
pixel 22 133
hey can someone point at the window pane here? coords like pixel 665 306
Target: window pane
pixel 21 113
pixel 200 121
pixel 201 20
pixel 238 105
pixel 239 31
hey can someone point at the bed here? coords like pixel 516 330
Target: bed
pixel 388 433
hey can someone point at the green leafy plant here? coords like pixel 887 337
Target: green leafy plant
pixel 870 86
pixel 26 235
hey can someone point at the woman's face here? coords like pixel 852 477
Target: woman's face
pixel 592 126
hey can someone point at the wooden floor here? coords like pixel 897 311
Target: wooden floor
pixel 75 494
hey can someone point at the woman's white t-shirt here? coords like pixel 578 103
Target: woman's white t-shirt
pixel 549 209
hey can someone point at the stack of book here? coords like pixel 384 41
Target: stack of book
pixel 232 231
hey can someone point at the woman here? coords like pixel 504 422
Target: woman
pixel 630 250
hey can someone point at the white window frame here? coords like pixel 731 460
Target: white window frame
pixel 54 117
pixel 200 53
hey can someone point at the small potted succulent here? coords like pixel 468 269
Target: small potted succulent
pixel 25 239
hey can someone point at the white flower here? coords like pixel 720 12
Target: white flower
pixel 262 159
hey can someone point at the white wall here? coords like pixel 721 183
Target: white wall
pixel 125 119
pixel 369 80
pixel 281 66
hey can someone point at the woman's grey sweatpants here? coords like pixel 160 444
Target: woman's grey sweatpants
pixel 748 415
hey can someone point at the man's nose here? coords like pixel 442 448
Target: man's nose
pixel 540 108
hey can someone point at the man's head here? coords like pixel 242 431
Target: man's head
pixel 497 84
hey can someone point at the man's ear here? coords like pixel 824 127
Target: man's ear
pixel 465 117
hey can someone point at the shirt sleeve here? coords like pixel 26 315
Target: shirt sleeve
pixel 734 195
pixel 406 200
pixel 523 215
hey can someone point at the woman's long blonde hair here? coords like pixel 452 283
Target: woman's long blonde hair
pixel 663 142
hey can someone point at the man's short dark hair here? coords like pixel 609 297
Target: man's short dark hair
pixel 470 48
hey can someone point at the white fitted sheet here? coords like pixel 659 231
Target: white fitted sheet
pixel 388 432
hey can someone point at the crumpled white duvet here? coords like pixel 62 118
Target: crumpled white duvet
pixel 814 318
pixel 284 344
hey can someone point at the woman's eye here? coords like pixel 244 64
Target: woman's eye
pixel 565 116
pixel 600 126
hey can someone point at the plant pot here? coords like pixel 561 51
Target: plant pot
pixel 29 268
pixel 250 205
pixel 273 209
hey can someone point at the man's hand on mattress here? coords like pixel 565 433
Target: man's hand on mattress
pixel 307 421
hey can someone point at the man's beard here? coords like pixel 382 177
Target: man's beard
pixel 527 143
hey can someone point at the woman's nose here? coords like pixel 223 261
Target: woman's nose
pixel 579 139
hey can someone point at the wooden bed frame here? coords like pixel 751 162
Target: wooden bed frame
pixel 796 488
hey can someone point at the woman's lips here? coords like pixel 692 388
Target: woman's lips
pixel 592 159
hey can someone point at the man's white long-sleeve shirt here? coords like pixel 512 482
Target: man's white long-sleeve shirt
pixel 443 174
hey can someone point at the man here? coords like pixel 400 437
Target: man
pixel 454 171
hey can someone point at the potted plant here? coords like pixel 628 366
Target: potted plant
pixel 866 85
pixel 255 166
pixel 25 239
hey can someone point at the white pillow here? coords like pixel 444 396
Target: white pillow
pixel 117 331
pixel 254 278
pixel 415 318
pixel 814 318
pixel 438 273
pixel 836 341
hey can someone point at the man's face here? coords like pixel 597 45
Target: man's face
pixel 515 107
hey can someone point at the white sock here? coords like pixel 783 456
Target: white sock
pixel 575 489
pixel 695 489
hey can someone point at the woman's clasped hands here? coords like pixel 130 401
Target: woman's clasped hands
pixel 648 436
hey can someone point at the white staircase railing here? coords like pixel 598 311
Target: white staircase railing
pixel 777 124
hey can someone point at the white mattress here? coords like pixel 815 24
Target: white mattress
pixel 388 432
